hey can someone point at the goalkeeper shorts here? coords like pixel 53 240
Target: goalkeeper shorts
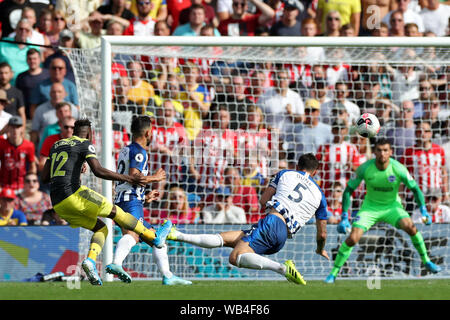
pixel 369 214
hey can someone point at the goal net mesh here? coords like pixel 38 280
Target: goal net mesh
pixel 226 119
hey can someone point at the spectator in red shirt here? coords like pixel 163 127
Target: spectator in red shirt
pixel 242 23
pixel 243 196
pixel 67 126
pixel 426 163
pixel 16 156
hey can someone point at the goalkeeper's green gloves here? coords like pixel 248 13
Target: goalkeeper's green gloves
pixel 425 216
pixel 344 226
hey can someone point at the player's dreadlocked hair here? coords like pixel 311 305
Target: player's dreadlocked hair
pixel 140 124
pixel 81 124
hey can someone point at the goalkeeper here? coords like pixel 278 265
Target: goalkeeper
pixel 382 177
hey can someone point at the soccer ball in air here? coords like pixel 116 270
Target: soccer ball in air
pixel 367 125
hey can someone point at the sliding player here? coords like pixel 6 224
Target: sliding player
pixel 133 160
pixel 81 206
pixel 291 199
pixel 382 177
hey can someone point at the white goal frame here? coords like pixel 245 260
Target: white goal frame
pixel 106 80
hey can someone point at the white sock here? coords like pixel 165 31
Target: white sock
pixel 201 240
pixel 255 261
pixel 123 248
pixel 162 260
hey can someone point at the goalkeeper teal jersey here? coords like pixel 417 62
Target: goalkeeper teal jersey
pixel 382 185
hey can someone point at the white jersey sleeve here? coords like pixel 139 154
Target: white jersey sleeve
pixel 297 198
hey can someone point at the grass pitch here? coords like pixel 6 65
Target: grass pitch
pixel 436 289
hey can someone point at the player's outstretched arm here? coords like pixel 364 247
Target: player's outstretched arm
pixel 160 175
pixel 107 174
pixel 321 238
pixel 266 196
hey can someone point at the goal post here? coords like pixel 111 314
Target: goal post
pixel 95 84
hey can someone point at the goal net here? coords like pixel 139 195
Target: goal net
pixel 226 118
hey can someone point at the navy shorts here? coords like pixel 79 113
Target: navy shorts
pixel 136 209
pixel 268 236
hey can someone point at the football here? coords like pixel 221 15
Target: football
pixel 367 125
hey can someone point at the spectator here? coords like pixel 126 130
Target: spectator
pixel 372 16
pixel 281 105
pixel 158 12
pixel 36 37
pixel 66 41
pixel 426 163
pixel 67 126
pixel 59 23
pixel 63 110
pixel 381 31
pixel 9 216
pixel 308 136
pixel 4 116
pixel 41 93
pixel 440 213
pixel 426 93
pixel 349 12
pixel 439 126
pixel 369 94
pixel 435 17
pixel 121 101
pixel 140 91
pixel 333 24
pixel 45 21
pixel 338 159
pixel 10 11
pixel 341 94
pixel 15 54
pixel 335 203
pixel 347 31
pixel 91 39
pixel 176 209
pixel 17 156
pixel 405 84
pixel 162 28
pixel 242 23
pixel 16 104
pixel 32 201
pixel 412 30
pixel 409 15
pixel 77 11
pixel 309 29
pixel 402 134
pixel 210 14
pixel 211 152
pixel 142 24
pixel 243 196
pixel 46 113
pixel 288 25
pixel 195 99
pixel 319 88
pixel 116 11
pixel 170 92
pixel 223 211
pixel 114 28
pixel 258 85
pixel 397 24
pixel 168 147
pixel 28 80
pixel 197 19
pixel 174 8
pixel 235 100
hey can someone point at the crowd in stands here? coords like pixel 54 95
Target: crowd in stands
pixel 221 129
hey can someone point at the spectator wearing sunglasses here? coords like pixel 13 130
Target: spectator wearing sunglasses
pixel 349 12
pixel 32 201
